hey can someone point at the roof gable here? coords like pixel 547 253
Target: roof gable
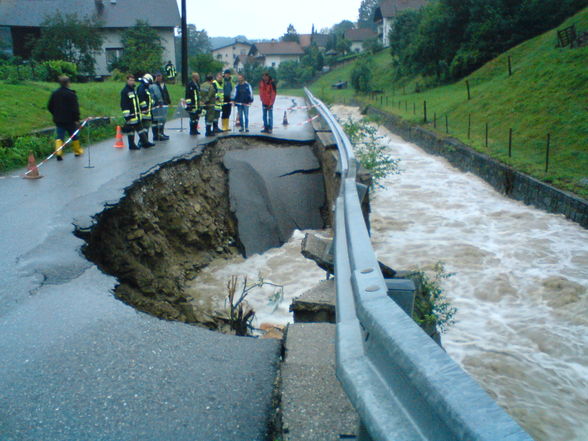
pixel 361 34
pixel 236 44
pixel 112 14
pixel 391 8
pixel 278 48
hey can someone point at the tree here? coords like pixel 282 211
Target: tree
pixel 341 27
pixel 291 34
pixel 204 64
pixel 142 50
pixel 361 75
pixel 69 38
pixel 367 10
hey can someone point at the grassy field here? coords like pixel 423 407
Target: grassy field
pixel 24 109
pixel 546 94
pixel 24 106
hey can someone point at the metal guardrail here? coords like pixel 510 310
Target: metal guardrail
pixel 402 384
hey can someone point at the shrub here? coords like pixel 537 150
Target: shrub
pixel 361 75
pixel 56 68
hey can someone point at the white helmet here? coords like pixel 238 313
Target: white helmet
pixel 147 77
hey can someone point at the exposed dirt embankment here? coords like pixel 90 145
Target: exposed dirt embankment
pixel 169 224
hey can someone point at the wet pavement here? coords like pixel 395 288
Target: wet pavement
pixel 75 363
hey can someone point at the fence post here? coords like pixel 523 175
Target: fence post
pixel 509 67
pixel 425 110
pixel 435 119
pixel 510 143
pixel 446 124
pixel 468 87
pixel 414 108
pixel 486 143
pixel 547 153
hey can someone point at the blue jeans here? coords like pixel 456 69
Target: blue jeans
pixel 243 116
pixel 63 129
pixel 268 117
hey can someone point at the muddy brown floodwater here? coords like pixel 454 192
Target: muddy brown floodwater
pixel 520 284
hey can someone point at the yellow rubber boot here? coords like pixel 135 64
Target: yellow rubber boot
pixel 58 153
pixel 226 124
pixel 77 148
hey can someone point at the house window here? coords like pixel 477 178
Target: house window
pixel 112 55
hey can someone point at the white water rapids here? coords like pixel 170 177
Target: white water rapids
pixel 520 284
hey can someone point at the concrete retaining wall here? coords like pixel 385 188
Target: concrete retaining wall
pixel 503 178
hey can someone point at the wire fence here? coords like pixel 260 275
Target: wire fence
pixel 540 156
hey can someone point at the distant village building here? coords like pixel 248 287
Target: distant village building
pixel 229 53
pixel 387 12
pixel 358 37
pixel 274 53
pixel 21 21
pixel 319 40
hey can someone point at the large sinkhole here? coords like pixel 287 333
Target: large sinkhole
pixel 238 196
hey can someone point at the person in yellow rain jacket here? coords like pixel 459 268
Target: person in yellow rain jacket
pixel 63 105
pixel 220 100
pixel 208 100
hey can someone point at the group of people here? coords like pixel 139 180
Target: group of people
pixel 215 98
pixel 145 106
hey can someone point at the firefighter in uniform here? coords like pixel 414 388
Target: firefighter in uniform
pixel 146 106
pixel 228 87
pixel 208 100
pixel 170 71
pixel 193 105
pixel 220 99
pixel 129 104
pixel 65 109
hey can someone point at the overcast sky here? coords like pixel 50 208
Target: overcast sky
pixel 258 19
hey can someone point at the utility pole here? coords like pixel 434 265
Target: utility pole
pixel 184 45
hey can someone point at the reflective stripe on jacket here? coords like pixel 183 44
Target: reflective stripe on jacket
pixel 145 100
pixel 220 95
pixel 129 104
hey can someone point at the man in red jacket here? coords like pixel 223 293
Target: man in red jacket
pixel 267 93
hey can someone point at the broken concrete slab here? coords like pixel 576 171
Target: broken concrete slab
pixel 317 305
pixel 274 191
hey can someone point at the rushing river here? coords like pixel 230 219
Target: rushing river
pixel 520 284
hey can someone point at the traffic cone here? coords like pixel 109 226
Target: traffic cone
pixel 285 121
pixel 32 170
pixel 119 144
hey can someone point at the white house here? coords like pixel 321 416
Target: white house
pixel 358 37
pixel 228 54
pixel 386 13
pixel 274 53
pixel 21 20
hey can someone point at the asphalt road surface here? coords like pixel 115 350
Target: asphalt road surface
pixel 76 363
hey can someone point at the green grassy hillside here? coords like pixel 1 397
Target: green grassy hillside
pixel 546 94
pixel 24 106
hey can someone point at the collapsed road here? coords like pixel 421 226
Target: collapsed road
pixel 77 363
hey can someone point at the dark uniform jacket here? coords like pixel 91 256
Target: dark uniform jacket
pixel 192 96
pixel 129 104
pixel 64 106
pixel 145 99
